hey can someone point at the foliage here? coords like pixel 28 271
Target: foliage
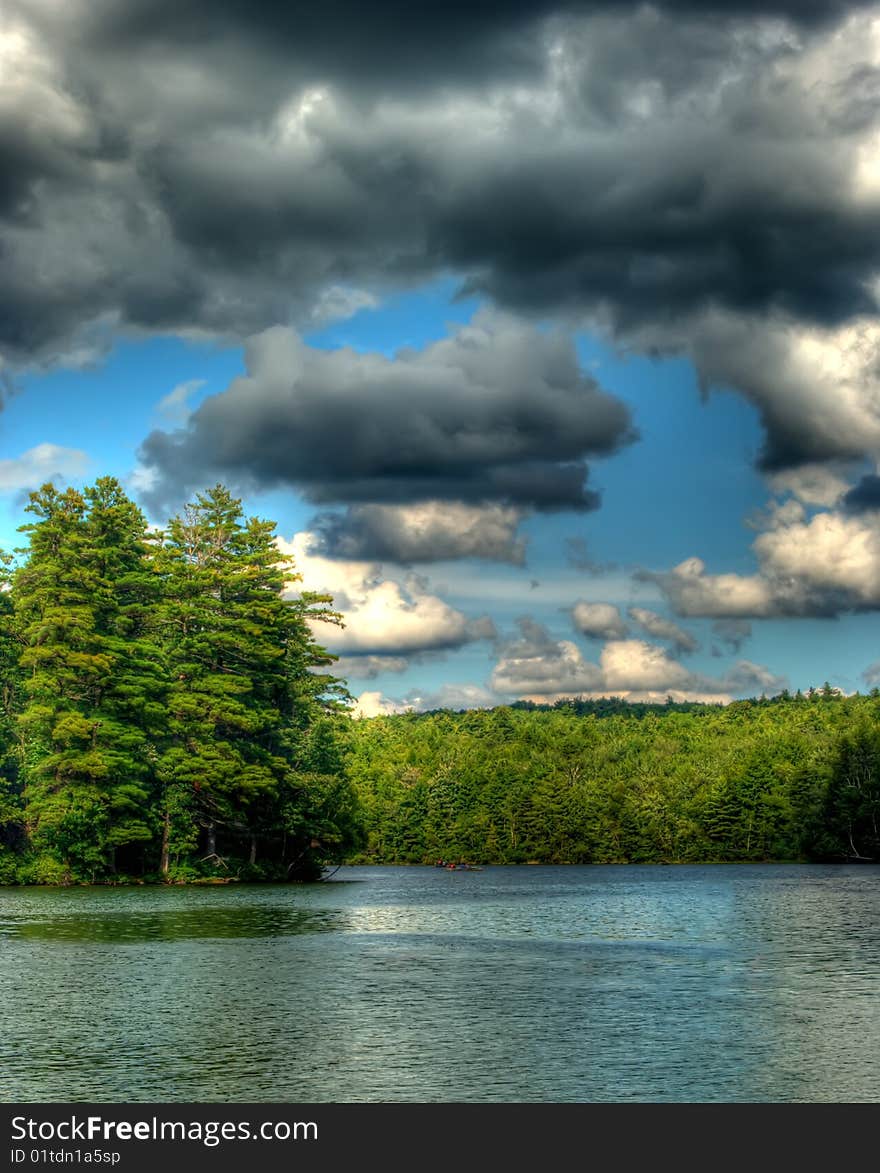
pixel 161 696
pixel 796 777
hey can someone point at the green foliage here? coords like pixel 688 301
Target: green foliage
pixel 603 782
pixel 851 808
pixel 91 690
pixel 11 808
pixel 163 704
pixel 8 866
pixel 244 708
pixel 42 869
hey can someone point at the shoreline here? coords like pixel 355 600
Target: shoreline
pixel 222 882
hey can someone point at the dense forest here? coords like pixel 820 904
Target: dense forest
pixel 167 715
pixel 165 710
pixel 792 778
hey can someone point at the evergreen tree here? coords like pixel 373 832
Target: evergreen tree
pixel 132 707
pixel 242 697
pixel 86 713
pixel 852 802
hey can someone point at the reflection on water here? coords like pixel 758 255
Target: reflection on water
pixel 175 924
pixel 517 984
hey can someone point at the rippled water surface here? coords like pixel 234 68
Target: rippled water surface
pixel 510 984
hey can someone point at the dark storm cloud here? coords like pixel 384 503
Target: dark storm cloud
pixel 692 173
pixel 350 39
pixel 865 496
pixel 348 35
pixel 499 413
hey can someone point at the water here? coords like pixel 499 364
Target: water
pixel 744 983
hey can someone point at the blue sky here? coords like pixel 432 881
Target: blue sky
pixel 687 486
pixel 553 357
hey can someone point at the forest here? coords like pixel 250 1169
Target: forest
pixel 166 715
pixel 165 712
pixel 796 777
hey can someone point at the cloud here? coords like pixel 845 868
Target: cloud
pixel 375 704
pixel 748 677
pixel 830 558
pixel 337 302
pixel 550 670
pixel 633 665
pixel 653 624
pixel 537 666
pixel 37 466
pixel 499 412
pixel 452 696
pixel 175 407
pixel 448 696
pixel 696 177
pixel 823 566
pixel 813 484
pixel 384 617
pixel 598 620
pixel 428 532
pixel 817 388
pixel 692 592
pixel 732 632
pixel 369 667
pixel 689 178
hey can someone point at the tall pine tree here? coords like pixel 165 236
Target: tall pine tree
pixel 91 687
pixel 241 693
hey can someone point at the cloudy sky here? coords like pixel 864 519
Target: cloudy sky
pixel 547 332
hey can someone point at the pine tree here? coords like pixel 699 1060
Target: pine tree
pixel 241 694
pixel 89 686
pixel 851 812
pixel 132 707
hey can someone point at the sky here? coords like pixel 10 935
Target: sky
pixel 547 333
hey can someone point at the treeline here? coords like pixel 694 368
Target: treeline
pixel 166 714
pixel 165 711
pixel 793 778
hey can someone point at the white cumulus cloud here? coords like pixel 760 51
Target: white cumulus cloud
pixel 384 616
pixel 598 620
pixel 36 466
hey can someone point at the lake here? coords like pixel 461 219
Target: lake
pixel 724 983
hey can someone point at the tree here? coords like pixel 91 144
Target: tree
pixel 90 687
pixel 851 814
pixel 242 697
pixel 11 808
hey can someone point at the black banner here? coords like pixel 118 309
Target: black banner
pixel 190 1138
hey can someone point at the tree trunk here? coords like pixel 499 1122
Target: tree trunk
pixel 252 858
pixel 211 841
